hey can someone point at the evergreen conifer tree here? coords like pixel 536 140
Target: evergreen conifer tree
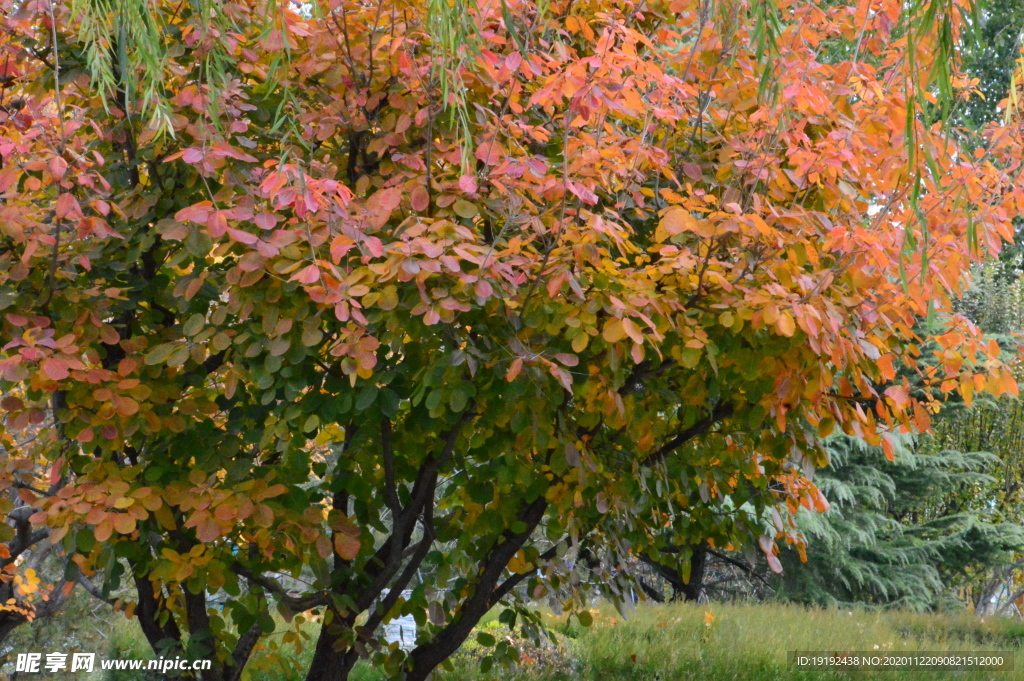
pixel 889 538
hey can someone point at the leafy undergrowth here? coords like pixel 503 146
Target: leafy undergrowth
pixel 743 642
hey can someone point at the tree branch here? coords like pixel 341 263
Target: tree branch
pixel 719 413
pixel 749 569
pixel 512 582
pixel 390 489
pixel 294 603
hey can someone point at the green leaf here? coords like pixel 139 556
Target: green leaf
pixel 465 209
pixel 194 325
pixel 433 399
pixel 160 353
pixel 457 401
pixel 178 356
pixel 311 336
pixel 366 397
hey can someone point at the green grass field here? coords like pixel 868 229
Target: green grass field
pixel 746 643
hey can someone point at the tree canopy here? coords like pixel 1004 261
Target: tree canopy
pixel 361 309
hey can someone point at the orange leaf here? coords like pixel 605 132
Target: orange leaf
pixel 887 447
pixel 632 330
pixel 886 366
pixel 514 369
pixel 346 545
pixel 898 394
pixel 208 529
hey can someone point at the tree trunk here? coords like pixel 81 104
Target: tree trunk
pixel 329 664
pixel 693 588
pixel 164 639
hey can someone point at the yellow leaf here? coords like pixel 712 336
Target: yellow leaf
pixel 787 327
pixel 675 221
pixel 388 298
pixel 967 391
pixel 518 564
pixel 613 331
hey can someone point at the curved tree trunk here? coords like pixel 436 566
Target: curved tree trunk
pixel 689 589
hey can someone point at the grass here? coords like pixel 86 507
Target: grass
pixel 714 642
pixel 745 643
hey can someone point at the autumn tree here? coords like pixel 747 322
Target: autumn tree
pixel 375 291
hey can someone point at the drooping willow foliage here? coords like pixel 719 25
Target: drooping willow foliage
pixel 125 54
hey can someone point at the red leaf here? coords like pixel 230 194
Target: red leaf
pixel 567 359
pixel 57 166
pixel 514 369
pixel 898 394
pixel 467 183
pixel 420 198
pixel 887 447
pixel 307 275
pixel 217 224
pixel 374 245
pixel 561 375
pixel 55 369
pixel 490 152
pixel 67 205
pixel 693 171
pixel 265 221
pixel 241 236
pixel 11 403
pixel 388 199
pixel 585 195
pixel 208 530
pixel 483 289
pixel 192 155
pixel 346 546
pixel 199 213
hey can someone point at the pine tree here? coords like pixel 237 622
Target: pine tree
pixel 889 538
